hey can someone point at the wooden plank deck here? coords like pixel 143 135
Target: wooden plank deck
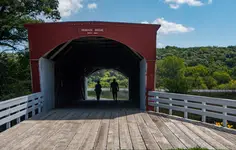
pixel 113 129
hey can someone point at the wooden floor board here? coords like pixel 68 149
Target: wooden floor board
pixel 179 134
pixel 125 140
pixel 15 141
pixel 159 137
pixel 100 129
pixel 135 134
pixel 145 132
pixel 174 141
pixel 82 134
pixel 218 138
pixel 101 140
pixel 113 140
pixel 61 132
pixel 93 133
pixel 210 140
pixel 198 140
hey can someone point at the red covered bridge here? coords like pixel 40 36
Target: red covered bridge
pixel 63 55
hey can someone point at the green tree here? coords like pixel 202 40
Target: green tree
pixel 172 70
pixel 195 76
pixel 14 64
pixel 15 13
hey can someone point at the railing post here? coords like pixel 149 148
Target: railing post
pixel 225 114
pixel 157 104
pixel 170 104
pixel 26 115
pixel 39 109
pixel 204 111
pixel 186 107
pixel 33 108
pixel 18 120
pixel 8 124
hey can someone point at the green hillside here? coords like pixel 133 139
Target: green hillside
pixel 200 67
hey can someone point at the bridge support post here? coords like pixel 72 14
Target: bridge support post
pixel 150 80
pixel 47 84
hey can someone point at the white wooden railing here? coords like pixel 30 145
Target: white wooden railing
pixel 224 109
pixel 16 108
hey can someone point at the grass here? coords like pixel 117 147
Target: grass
pixel 191 149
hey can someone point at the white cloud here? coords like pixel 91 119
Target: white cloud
pixel 160 45
pixel 168 28
pixel 175 4
pixel 67 7
pixel 210 1
pixel 92 6
pixel 145 22
pixel 171 27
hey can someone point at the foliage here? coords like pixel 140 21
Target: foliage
pixel 195 76
pixel 14 56
pixel 221 77
pixel 15 13
pixel 210 82
pixel 106 77
pixel 15 74
pixel 229 86
pixel 172 69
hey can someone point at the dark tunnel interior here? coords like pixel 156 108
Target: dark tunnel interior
pixel 79 58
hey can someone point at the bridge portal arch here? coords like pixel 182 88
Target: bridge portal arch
pixel 61 54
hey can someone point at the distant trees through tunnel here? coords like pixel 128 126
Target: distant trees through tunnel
pixel 106 76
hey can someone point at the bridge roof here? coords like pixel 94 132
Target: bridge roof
pixel 157 26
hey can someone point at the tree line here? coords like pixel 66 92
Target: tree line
pixel 182 69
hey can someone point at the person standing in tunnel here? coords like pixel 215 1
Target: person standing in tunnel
pixel 114 89
pixel 98 90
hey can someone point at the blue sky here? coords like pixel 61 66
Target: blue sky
pixel 185 23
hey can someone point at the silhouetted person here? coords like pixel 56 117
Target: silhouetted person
pixel 98 90
pixel 114 89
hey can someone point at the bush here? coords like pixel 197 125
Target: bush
pixel 210 82
pixel 221 77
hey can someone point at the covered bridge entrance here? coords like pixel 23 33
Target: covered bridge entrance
pixel 62 55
